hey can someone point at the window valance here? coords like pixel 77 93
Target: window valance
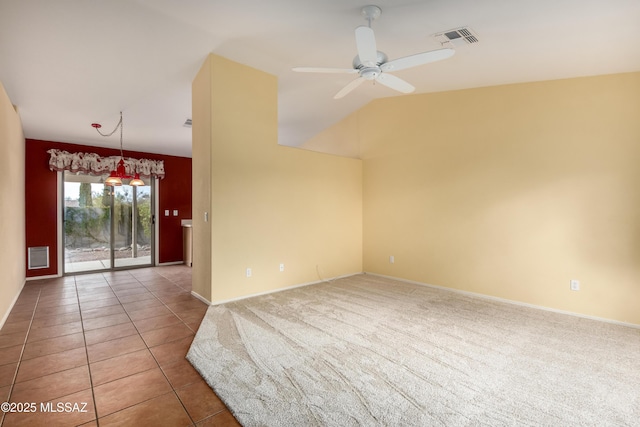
pixel 93 164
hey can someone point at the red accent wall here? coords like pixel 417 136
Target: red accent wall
pixel 41 199
pixel 174 194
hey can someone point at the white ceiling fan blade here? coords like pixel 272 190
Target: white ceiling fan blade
pixel 325 70
pixel 366 44
pixel 417 59
pixel 395 83
pixel 348 88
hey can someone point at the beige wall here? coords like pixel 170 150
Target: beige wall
pixel 12 237
pixel 201 180
pixel 341 139
pixel 509 191
pixel 268 204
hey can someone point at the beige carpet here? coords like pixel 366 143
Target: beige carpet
pixel 371 351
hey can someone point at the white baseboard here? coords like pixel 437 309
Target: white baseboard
pixel 281 289
pixel 201 298
pixel 513 302
pixel 51 276
pixel 170 263
pixel 15 299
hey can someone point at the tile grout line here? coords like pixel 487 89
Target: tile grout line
pixel 79 289
pixel 24 345
pixel 138 332
pixel 89 363
pixel 86 347
pixel 194 332
pixel 86 352
pixel 173 390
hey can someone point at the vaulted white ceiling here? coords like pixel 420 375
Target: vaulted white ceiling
pixel 66 64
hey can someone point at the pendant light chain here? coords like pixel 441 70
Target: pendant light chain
pixel 119 125
pixel 116 176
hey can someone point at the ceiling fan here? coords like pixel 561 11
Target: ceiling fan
pixel 374 65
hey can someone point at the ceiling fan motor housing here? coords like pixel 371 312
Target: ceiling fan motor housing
pixel 381 58
pixel 370 71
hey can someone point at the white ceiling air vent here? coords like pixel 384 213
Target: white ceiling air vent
pixel 457 37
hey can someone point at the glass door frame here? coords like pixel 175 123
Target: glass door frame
pixel 134 227
pixel 153 229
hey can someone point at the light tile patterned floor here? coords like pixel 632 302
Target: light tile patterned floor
pixel 115 341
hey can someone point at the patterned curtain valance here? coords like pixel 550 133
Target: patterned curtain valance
pixel 93 164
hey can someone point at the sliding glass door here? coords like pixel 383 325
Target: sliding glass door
pixel 106 227
pixel 132 237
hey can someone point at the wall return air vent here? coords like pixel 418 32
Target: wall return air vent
pixel 38 257
pixel 457 37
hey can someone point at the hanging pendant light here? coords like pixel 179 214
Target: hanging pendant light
pixel 136 181
pixel 119 173
pixel 113 179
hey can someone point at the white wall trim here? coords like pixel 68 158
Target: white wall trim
pixel 282 289
pixel 200 297
pixel 15 299
pixel 59 221
pixel 156 226
pixel 513 302
pixel 51 276
pixel 170 263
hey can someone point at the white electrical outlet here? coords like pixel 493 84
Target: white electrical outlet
pixel 166 212
pixel 175 212
pixel 248 272
pixel 281 267
pixel 392 259
pixel 575 285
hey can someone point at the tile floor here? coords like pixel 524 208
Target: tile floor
pixel 111 344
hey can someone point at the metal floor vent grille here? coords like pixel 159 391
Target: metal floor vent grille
pixel 457 37
pixel 38 257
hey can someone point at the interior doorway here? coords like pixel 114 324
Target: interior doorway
pixel 104 227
